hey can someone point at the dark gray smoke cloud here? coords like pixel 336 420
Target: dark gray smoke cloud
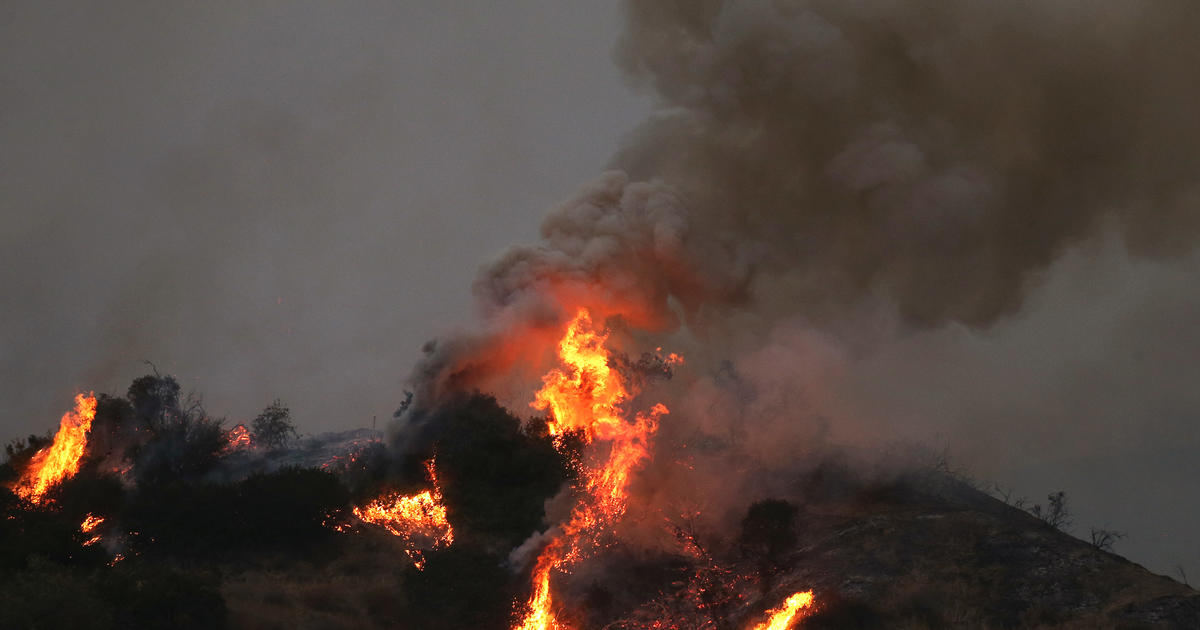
pixel 936 154
pixel 839 212
pixel 807 158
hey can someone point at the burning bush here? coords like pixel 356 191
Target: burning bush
pixel 496 474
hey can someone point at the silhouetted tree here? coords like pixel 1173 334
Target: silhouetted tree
pixel 155 400
pixel 1055 514
pixel 1104 539
pixel 273 427
pixel 176 439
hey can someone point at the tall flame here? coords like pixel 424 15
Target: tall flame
pixel 60 460
pixel 419 519
pixel 783 616
pixel 586 396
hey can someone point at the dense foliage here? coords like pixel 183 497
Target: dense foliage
pixel 179 514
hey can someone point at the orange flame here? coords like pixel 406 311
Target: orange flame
pixel 419 519
pixel 587 396
pixel 791 610
pixel 237 438
pixel 60 460
pixel 89 525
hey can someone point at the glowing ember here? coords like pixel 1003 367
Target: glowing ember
pixel 791 610
pixel 237 438
pixel 89 525
pixel 419 519
pixel 60 460
pixel 586 396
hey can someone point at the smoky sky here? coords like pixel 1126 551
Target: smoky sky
pixel 960 223
pixel 280 200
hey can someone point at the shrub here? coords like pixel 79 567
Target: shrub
pixel 1104 539
pixel 496 474
pixel 1055 514
pixel 273 427
pixel 460 587
pixel 283 510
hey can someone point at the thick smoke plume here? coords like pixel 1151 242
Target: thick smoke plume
pixel 818 160
pixel 823 179
pixel 934 154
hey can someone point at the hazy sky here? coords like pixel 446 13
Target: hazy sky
pixel 277 199
pixel 287 199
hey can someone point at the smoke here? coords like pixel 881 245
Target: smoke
pixel 834 199
pixel 935 155
pixel 810 159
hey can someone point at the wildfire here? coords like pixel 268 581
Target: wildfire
pixel 60 460
pixel 419 519
pixel 89 525
pixel 783 616
pixel 237 438
pixel 586 396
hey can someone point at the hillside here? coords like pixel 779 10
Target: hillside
pixel 185 525
pixel 926 551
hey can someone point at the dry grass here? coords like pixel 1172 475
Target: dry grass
pixel 361 589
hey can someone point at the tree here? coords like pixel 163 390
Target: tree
pixel 1055 514
pixel 273 426
pixel 155 400
pixel 173 438
pixel 1104 539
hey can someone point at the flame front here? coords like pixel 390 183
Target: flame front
pixel 419 519
pixel 60 460
pixel 782 617
pixel 586 396
pixel 89 525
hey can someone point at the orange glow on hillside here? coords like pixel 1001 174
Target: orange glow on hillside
pixel 60 460
pixel 419 519
pixel 793 609
pixel 586 395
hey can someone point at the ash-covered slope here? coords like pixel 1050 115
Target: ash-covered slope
pixel 921 551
